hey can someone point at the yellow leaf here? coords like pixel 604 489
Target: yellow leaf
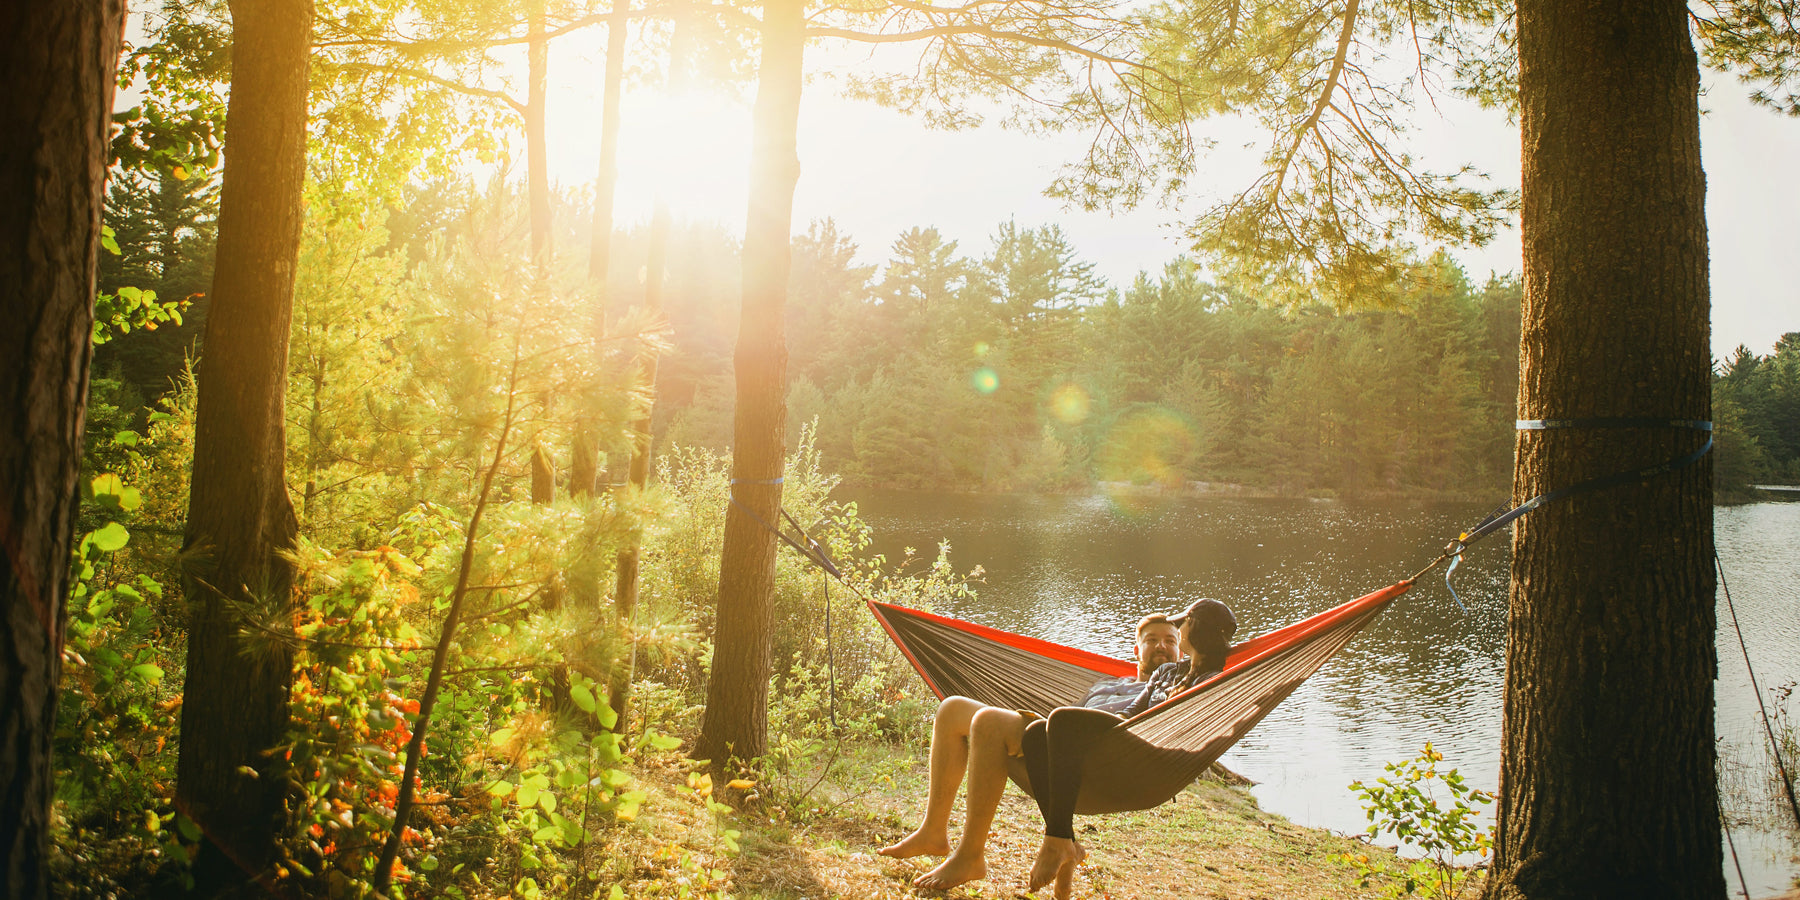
pixel 741 784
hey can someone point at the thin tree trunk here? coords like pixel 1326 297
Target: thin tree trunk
pixel 1607 770
pixel 584 469
pixel 606 180
pixel 543 476
pixel 415 746
pixel 240 520
pixel 57 61
pixel 736 722
pixel 625 585
pixel 537 175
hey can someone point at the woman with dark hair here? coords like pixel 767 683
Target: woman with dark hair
pixel 1056 748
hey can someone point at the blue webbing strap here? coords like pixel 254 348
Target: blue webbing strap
pixel 814 553
pixel 1494 522
pixel 812 549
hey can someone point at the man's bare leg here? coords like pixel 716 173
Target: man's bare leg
pixel 949 758
pixel 993 736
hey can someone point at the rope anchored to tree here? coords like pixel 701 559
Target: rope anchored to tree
pixel 1501 517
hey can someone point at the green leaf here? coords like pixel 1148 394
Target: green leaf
pixel 149 673
pixel 606 715
pixel 189 830
pixel 107 484
pixel 109 240
pixel 547 834
pixel 500 788
pixel 111 538
pixel 547 801
pixel 583 698
pixel 528 794
pixel 126 439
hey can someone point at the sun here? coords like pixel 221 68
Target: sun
pixel 692 150
pixel 688 147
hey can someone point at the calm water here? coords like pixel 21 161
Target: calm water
pixel 1081 570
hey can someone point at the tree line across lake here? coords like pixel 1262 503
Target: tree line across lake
pixel 1009 367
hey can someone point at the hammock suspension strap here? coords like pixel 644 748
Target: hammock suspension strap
pixel 1787 778
pixel 815 553
pixel 1501 517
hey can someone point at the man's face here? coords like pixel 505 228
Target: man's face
pixel 1157 644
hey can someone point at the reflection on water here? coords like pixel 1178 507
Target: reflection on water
pixel 1081 570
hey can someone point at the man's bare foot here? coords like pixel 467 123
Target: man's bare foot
pixel 918 844
pixel 1056 861
pixel 952 872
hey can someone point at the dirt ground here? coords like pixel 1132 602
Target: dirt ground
pixel 1210 843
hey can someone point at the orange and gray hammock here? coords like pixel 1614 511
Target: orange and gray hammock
pixel 1149 758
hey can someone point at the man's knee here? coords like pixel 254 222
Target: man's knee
pixel 1003 725
pixel 956 714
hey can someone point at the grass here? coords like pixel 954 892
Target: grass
pixel 1212 841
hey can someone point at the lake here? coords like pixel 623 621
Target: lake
pixel 1080 570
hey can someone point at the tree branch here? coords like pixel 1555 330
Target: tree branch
pixel 1331 83
pixel 457 86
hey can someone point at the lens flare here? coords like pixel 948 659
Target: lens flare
pixel 981 349
pixel 985 380
pixel 1149 445
pixel 1069 404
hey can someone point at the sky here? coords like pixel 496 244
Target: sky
pixel 876 173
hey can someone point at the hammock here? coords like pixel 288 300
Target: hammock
pixel 1148 759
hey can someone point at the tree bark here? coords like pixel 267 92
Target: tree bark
pixel 606 179
pixel 537 175
pixel 57 61
pixel 240 520
pixel 625 583
pixel 736 722
pixel 584 468
pixel 1607 771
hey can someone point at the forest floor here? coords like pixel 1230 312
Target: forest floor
pixel 1211 842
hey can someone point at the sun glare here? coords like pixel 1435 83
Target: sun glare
pixel 689 151
pixel 690 148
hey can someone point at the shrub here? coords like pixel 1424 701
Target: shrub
pixel 1406 804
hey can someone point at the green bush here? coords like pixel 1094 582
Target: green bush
pixel 1430 810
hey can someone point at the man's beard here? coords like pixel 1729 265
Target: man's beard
pixel 1158 657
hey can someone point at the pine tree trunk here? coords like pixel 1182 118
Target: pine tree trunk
pixel 736 722
pixel 537 175
pixel 240 520
pixel 584 467
pixel 625 584
pixel 57 61
pixel 1607 771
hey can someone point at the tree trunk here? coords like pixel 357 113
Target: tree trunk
pixel 240 520
pixel 607 178
pixel 625 585
pixel 1607 772
pixel 543 476
pixel 57 61
pixel 736 722
pixel 584 468
pixel 537 174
